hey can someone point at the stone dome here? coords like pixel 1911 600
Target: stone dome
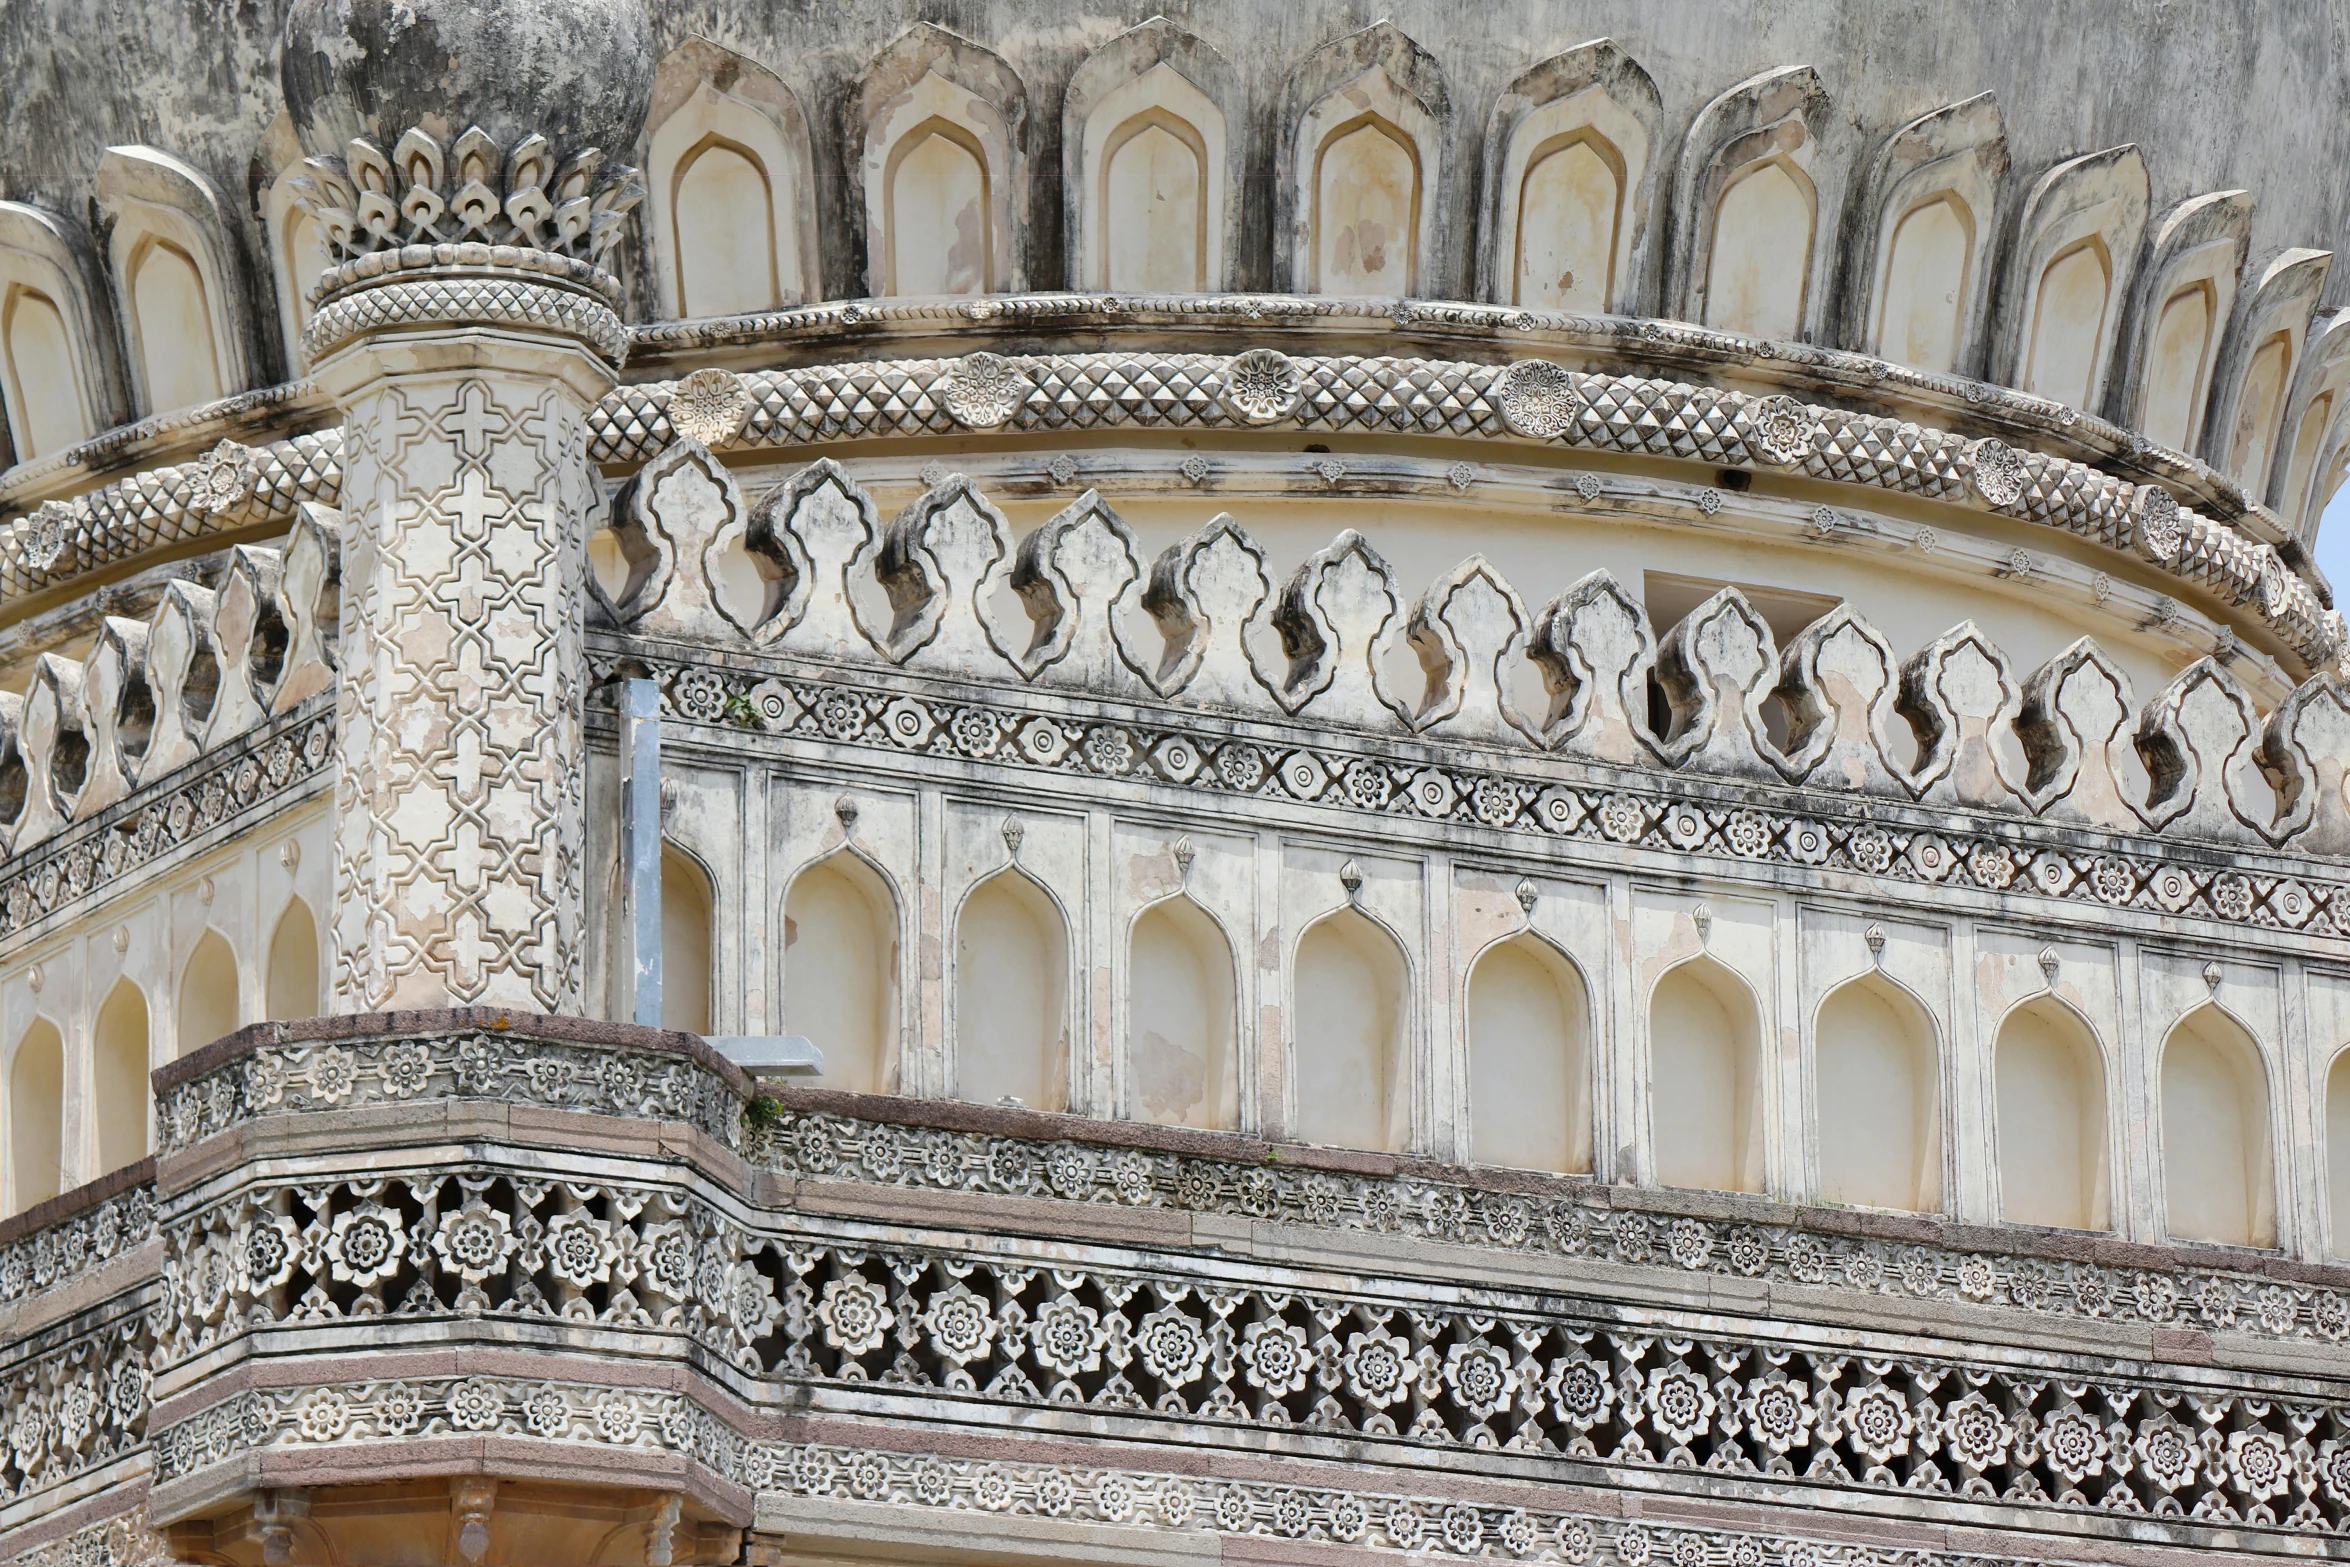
pixel 579 72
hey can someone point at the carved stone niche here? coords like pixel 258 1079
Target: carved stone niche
pixel 522 1519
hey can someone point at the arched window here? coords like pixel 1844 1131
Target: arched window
pixel 36 1116
pixel 1366 210
pixel 2068 324
pixel 2215 1145
pixel 1351 1021
pixel 840 972
pixel 2179 364
pixel 2051 1119
pixel 1529 1059
pixel 208 993
pixel 1759 271
pixel 293 983
pixel 44 405
pixel 1182 1063
pixel 688 968
pixel 1011 1023
pixel 1879 1099
pixel 1705 1089
pixel 939 218
pixel 1926 284
pixel 174 328
pixel 119 1072
pixel 725 231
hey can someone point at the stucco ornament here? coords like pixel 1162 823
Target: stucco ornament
pixel 1262 385
pixel 1537 399
pixel 1998 472
pixel 224 480
pixel 1784 430
pixel 710 406
pixel 985 390
pixel 42 537
pixel 2160 527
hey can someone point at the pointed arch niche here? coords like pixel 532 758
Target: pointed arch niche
pixel 1011 1019
pixel 57 375
pixel 1365 168
pixel 1350 1016
pixel 1569 177
pixel 2217 1176
pixel 1930 196
pixel 36 1116
pixel 118 1068
pixel 2051 1128
pixel 840 971
pixel 689 966
pixel 1877 1092
pixel 943 173
pixel 2073 262
pixel 729 166
pixel 2310 468
pixel 1529 1031
pixel 1151 166
pixel 208 992
pixel 176 279
pixel 2182 300
pixel 1705 1079
pixel 1182 1016
pixel 292 985
pixel 2258 361
pixel 1753 186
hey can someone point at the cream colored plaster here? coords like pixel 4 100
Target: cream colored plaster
pixel 118 1076
pixel 730 182
pixel 208 1007
pixel 1529 1037
pixel 2178 375
pixel 1351 1026
pixel 840 968
pixel 296 982
pixel 36 1093
pixel 297 256
pixel 1182 1057
pixel 688 946
pixel 1758 271
pixel 44 401
pixel 2053 1164
pixel 2217 1174
pixel 2252 434
pixel 1928 269
pixel 2069 314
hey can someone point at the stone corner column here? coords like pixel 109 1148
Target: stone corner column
pixel 465 374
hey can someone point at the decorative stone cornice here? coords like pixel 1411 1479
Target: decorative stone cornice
pixel 464 297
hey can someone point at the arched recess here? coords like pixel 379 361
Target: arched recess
pixel 2179 304
pixel 118 1071
pixel 2072 264
pixel 36 1116
pixel 1529 1031
pixel 1570 176
pixel 2217 1171
pixel 1877 1098
pixel 2310 469
pixel 2050 1132
pixel 840 971
pixel 1360 205
pixel 1151 165
pixel 1182 1018
pixel 2338 1156
pixel 944 174
pixel 208 1007
pixel 689 961
pixel 1758 181
pixel 176 278
pixel 1705 1104
pixel 1011 1019
pixel 296 243
pixel 1351 1029
pixel 58 373
pixel 733 225
pixel 1921 225
pixel 2257 362
pixel 292 982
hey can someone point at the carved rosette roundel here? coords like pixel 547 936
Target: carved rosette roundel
pixel 1262 385
pixel 224 479
pixel 42 537
pixel 1784 430
pixel 2160 527
pixel 710 406
pixel 1998 472
pixel 985 390
pixel 1537 399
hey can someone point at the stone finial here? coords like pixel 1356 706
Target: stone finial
pixel 1527 893
pixel 1013 833
pixel 1702 916
pixel 1350 876
pixel 1184 854
pixel 2050 963
pixel 1875 937
pixel 846 809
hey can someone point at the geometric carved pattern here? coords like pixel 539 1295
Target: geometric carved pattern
pixel 459 795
